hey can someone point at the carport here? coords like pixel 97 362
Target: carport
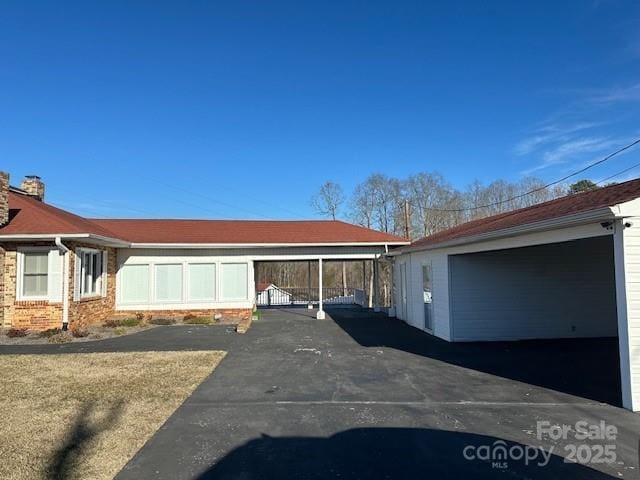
pixel 565 269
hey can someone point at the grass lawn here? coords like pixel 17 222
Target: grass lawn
pixel 85 415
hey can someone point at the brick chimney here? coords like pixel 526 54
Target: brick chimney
pixel 4 198
pixel 33 186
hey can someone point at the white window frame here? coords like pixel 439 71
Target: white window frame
pixel 20 296
pixel 150 283
pixel 80 254
pixel 187 281
pixel 221 281
pixel 153 281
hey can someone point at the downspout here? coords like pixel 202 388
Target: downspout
pixel 65 283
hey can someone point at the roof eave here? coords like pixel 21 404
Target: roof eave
pixel 265 245
pixel 99 239
pixel 605 213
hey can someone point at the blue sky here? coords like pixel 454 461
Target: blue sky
pixel 241 109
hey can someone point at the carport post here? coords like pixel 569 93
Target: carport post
pixel 309 302
pixel 320 314
pixel 625 305
pixel 376 294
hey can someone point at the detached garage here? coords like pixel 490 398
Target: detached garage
pixel 569 268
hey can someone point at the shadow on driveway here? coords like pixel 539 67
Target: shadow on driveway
pixel 587 368
pixel 407 453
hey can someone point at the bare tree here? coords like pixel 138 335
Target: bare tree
pixel 328 200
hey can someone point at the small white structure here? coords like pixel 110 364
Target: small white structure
pixel 567 268
pixel 270 294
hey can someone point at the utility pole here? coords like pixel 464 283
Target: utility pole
pixel 407 229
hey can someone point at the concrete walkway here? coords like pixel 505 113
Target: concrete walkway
pixel 362 396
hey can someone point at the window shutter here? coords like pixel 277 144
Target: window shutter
pixel 105 273
pixel 54 279
pixel 77 272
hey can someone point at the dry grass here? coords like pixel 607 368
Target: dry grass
pixel 86 415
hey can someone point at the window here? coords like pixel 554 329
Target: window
pixel 202 281
pixel 233 284
pixel 134 284
pixel 35 278
pixel 168 285
pixel 90 273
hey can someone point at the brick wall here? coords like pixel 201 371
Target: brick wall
pixel 4 198
pixel 91 311
pixel 35 315
pixel 42 315
pixel 232 315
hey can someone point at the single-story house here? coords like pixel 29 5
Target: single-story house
pixel 58 268
pixel 566 268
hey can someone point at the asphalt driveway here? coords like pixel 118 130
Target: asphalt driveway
pixel 362 396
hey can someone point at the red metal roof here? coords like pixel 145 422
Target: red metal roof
pixel 30 216
pixel 571 204
pixel 243 231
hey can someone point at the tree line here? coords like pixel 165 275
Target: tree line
pixel 420 205
pixel 426 203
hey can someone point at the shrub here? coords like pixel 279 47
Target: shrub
pixel 49 333
pixel 119 331
pixel 17 332
pixel 110 322
pixel 129 322
pixel 162 321
pixel 193 320
pixel 122 322
pixel 60 337
pixel 78 331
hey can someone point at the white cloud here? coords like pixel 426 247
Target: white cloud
pixel 550 133
pixel 569 150
pixel 617 94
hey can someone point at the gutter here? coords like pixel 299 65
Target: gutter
pixel 65 283
pixel 265 245
pixel 605 213
pixel 108 241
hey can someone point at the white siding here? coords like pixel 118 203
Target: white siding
pixel 439 258
pixel 415 304
pixel 627 249
pixel 560 290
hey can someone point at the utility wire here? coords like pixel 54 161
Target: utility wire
pixel 617 174
pixel 535 190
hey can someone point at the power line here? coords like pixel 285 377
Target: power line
pixel 544 187
pixel 617 174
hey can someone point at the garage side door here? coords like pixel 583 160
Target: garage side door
pixel 550 291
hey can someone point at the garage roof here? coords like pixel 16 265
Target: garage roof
pixel 29 217
pixel 555 209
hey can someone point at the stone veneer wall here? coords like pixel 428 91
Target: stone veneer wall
pixel 91 311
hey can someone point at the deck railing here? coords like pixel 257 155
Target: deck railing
pixel 283 296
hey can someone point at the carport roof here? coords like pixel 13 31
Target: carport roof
pixel 570 205
pixel 279 232
pixel 31 218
